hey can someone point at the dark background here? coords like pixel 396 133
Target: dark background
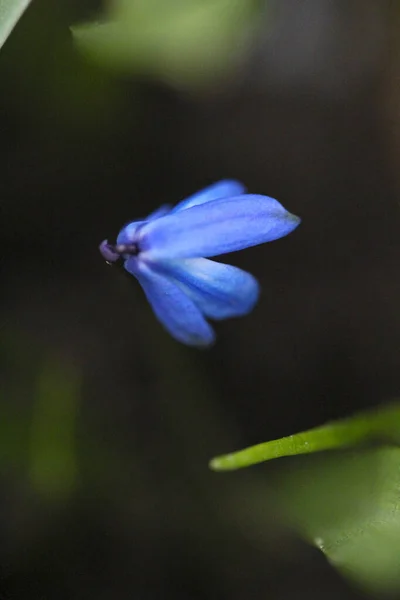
pixel 107 424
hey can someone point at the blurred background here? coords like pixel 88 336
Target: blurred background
pixel 107 424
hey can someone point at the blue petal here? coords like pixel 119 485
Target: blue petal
pixel 128 234
pixel 217 228
pixel 220 291
pixel 159 212
pixel 176 311
pixel 222 189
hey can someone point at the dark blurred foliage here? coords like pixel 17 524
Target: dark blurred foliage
pixel 107 424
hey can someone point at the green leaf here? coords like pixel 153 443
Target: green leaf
pixel 348 506
pixel 374 425
pixel 10 12
pixel 345 503
pixel 184 43
pixel 53 465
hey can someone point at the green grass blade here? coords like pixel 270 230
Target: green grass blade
pixel 344 503
pixel 375 425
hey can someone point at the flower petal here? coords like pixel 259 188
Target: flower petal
pixel 221 189
pixel 159 212
pixel 220 291
pixel 127 235
pixel 217 228
pixel 174 309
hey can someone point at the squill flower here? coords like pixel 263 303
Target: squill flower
pixel 167 253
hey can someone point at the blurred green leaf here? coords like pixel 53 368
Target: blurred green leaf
pixel 53 453
pixel 10 13
pixel 184 43
pixel 347 504
pixel 379 424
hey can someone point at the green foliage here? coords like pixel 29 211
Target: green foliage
pixel 184 43
pixel 347 504
pixel 52 457
pixel 38 418
pixel 383 424
pixel 10 12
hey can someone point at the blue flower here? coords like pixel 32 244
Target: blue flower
pixel 167 251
